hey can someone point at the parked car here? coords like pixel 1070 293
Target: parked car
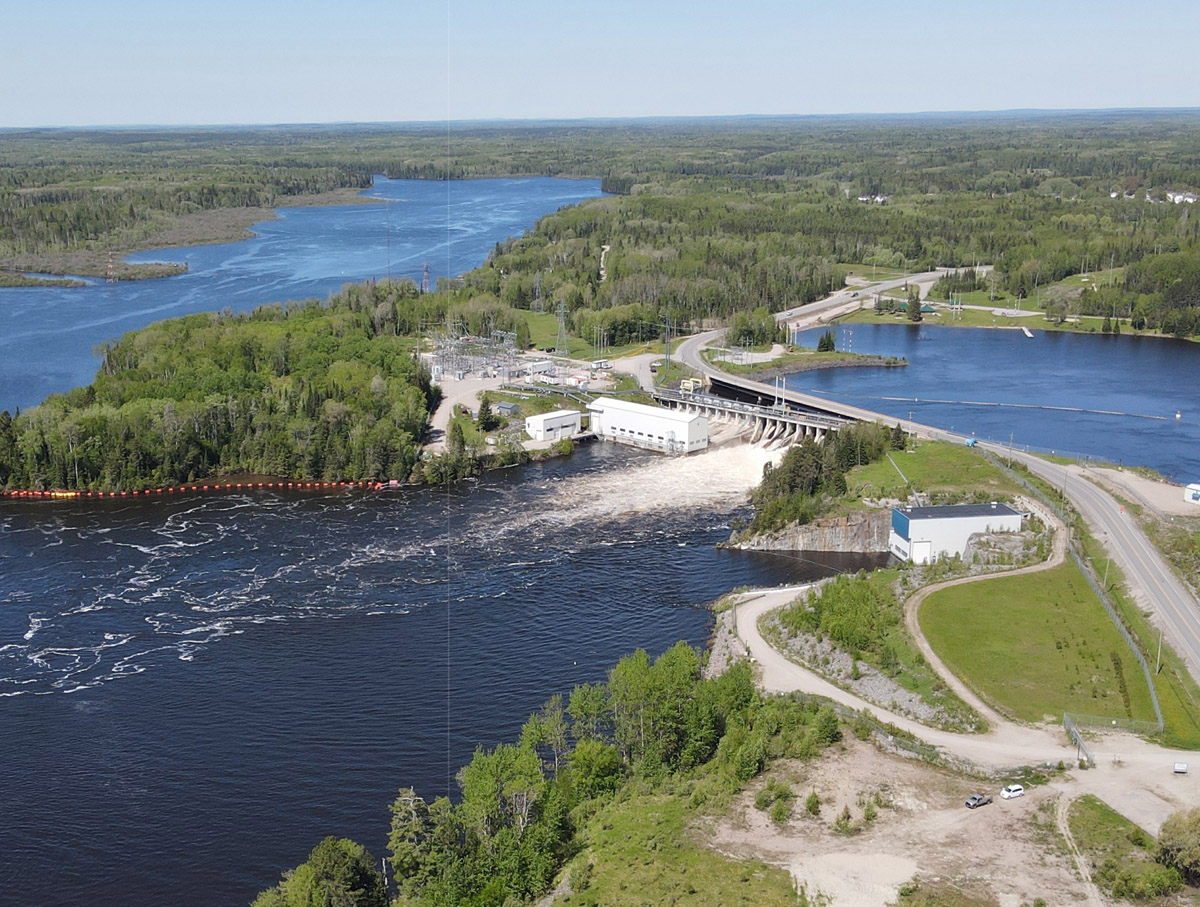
pixel 1012 791
pixel 977 800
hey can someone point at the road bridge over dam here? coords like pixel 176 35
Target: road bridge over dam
pixel 772 415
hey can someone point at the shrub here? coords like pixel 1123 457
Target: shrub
pixel 812 804
pixel 781 811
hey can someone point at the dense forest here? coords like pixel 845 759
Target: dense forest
pixel 656 724
pixel 309 390
pixel 712 222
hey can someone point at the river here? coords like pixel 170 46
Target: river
pixel 1114 398
pixel 47 334
pixel 194 692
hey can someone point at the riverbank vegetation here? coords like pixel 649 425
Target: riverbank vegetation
pixel 795 360
pixel 616 768
pixel 706 219
pixel 851 631
pixel 811 478
pixel 307 390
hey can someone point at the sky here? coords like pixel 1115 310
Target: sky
pixel 150 62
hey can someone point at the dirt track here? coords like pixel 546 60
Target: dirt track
pixel 1132 776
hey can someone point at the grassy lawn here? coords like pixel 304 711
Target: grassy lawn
pixel 932 467
pixel 641 852
pixel 1093 279
pixel 1121 854
pixel 984 318
pixel 1037 645
pixel 867 272
pixel 543 335
pixel 1178 694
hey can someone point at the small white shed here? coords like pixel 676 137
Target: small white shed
pixel 1191 493
pixel 562 423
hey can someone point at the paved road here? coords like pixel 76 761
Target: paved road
pixel 853 297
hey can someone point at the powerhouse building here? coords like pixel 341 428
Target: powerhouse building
pixel 653 427
pixel 562 423
pixel 925 534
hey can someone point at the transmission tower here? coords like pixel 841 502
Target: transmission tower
pixel 561 347
pixel 425 279
pixel 110 274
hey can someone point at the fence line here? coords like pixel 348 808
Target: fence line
pixel 1077 738
pixel 1101 721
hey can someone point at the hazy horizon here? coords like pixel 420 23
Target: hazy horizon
pixel 648 120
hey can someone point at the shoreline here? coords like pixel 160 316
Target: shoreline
pixel 200 228
pixel 1067 327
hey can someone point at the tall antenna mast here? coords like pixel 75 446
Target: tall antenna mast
pixel 425 279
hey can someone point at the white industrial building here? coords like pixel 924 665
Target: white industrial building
pixel 925 534
pixel 652 427
pixel 1191 494
pixel 562 423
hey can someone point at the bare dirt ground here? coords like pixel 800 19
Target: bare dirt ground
pixel 1131 775
pixel 922 830
pixel 467 392
pixel 1163 498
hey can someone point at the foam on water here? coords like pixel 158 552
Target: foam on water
pixel 160 582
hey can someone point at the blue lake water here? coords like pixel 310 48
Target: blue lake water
pixel 47 334
pixel 1110 397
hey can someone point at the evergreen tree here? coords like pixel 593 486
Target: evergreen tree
pixel 456 441
pixel 486 420
pixel 914 305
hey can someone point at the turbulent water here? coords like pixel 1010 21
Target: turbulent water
pixel 196 691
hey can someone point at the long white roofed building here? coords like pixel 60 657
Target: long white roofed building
pixel 652 427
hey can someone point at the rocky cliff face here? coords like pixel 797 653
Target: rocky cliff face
pixel 865 531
